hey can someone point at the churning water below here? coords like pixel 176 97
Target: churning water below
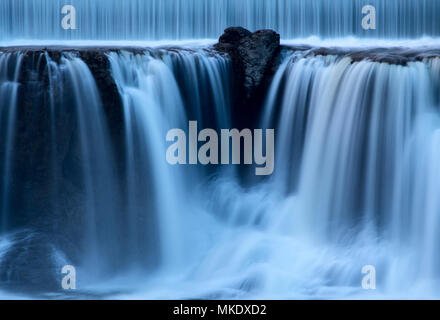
pixel 355 182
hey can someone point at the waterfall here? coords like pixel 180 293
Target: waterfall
pixel 97 169
pixel 355 181
pixel 356 150
pixel 201 19
pixel 69 165
pixel 161 90
pixel 152 207
pixel 9 73
pixel 356 143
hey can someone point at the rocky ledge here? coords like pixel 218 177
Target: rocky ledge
pixel 393 55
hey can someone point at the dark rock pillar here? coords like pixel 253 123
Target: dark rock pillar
pixel 255 58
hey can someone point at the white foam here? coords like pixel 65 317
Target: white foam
pixel 353 42
pixel 347 42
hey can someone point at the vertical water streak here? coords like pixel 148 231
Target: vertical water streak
pixel 161 91
pixel 10 64
pixel 94 169
pixel 152 105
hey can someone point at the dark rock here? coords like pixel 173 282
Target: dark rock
pixel 31 264
pixel 258 52
pixel 255 58
pixel 254 54
pixel 233 36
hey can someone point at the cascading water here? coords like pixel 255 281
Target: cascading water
pixel 82 173
pixel 355 181
pixel 350 136
pixel 84 178
pixel 154 103
pixel 361 152
pixel 97 168
pixel 9 73
pixel 151 208
pixel 201 19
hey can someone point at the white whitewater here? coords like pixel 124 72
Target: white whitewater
pixel 201 19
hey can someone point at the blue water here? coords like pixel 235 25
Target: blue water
pixel 357 147
pixel 200 19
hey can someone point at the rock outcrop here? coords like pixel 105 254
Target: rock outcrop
pixel 255 58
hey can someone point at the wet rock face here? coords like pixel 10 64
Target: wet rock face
pixel 255 57
pixel 258 54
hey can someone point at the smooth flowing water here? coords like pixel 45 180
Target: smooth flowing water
pixel 200 19
pixel 355 149
pixel 9 71
pixel 355 181
pixel 355 185
pixel 161 90
pixel 84 179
